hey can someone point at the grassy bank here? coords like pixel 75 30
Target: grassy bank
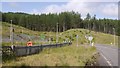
pixel 69 35
pixel 63 56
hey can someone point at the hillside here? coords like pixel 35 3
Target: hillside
pixel 22 35
pixel 55 56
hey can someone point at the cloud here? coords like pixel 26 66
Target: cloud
pixel 83 7
pixel 35 11
pixel 53 9
pixel 111 10
pixel 73 5
pixel 58 0
pixel 13 4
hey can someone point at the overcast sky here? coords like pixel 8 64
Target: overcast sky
pixel 102 9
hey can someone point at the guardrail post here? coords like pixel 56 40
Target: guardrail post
pixel 27 50
pixel 56 44
pixel 14 51
pixel 30 50
pixel 60 45
pixel 38 50
pixel 41 47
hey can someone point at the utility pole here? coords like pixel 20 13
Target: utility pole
pixel 77 40
pixel 11 33
pixel 57 34
pixel 114 35
pixel 49 38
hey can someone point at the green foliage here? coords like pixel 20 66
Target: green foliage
pixel 7 55
pixel 6 43
pixel 65 20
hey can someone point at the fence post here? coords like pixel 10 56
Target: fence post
pixel 56 44
pixel 60 45
pixel 41 47
pixel 30 50
pixel 38 50
pixel 14 51
pixel 27 50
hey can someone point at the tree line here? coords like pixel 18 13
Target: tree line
pixel 64 20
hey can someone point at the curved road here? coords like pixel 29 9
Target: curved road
pixel 108 55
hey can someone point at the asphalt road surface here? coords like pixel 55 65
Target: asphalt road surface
pixel 108 55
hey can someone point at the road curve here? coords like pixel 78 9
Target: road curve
pixel 109 55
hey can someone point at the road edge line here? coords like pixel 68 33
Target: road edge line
pixel 106 59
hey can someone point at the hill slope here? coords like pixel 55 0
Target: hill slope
pixel 22 35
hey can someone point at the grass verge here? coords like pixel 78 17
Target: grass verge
pixel 62 56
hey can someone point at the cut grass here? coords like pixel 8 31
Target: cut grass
pixel 63 56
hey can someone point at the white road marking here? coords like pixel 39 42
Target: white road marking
pixel 102 49
pixel 106 60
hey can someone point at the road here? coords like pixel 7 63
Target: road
pixel 108 55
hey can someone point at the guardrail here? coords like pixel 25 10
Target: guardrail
pixel 28 50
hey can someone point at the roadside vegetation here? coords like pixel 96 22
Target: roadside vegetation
pixel 62 56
